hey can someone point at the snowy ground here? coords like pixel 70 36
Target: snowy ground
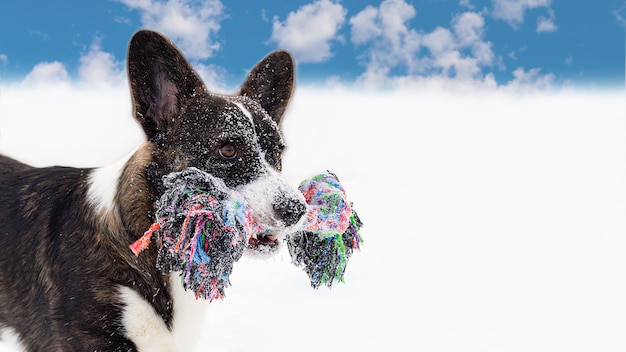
pixel 492 222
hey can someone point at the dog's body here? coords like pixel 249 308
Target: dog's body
pixel 68 281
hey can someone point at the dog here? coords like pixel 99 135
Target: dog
pixel 68 281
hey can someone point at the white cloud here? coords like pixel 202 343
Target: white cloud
pixel 530 80
pixel 364 26
pixel 391 43
pixel 309 31
pixel 569 60
pixel 98 67
pixel 4 59
pixel 191 24
pixel 546 24
pixel 469 28
pixel 122 20
pixel 459 52
pixel 513 11
pixel 213 77
pixel 393 16
pixel 464 68
pixel 439 41
pixel 466 4
pixel 46 73
pixel 457 57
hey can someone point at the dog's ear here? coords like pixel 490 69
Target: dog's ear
pixel 271 83
pixel 160 80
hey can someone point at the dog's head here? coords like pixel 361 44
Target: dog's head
pixel 234 137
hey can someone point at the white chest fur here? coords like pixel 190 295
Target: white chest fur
pixel 148 331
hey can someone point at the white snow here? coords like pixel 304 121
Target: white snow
pixel 493 222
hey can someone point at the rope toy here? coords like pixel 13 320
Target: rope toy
pixel 330 232
pixel 203 227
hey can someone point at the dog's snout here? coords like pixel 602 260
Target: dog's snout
pixel 290 211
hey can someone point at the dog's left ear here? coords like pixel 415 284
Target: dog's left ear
pixel 271 83
pixel 161 81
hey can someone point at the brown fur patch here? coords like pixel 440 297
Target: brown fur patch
pixel 132 216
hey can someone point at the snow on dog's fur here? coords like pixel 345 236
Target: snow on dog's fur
pixel 68 280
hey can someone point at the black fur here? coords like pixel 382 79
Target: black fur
pixel 62 258
pixel 57 268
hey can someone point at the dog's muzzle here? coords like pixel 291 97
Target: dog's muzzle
pixel 276 207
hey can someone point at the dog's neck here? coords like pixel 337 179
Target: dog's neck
pixel 135 195
pixel 121 195
pixel 123 204
pixel 124 198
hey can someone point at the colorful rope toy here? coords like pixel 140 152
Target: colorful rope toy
pixel 203 228
pixel 330 232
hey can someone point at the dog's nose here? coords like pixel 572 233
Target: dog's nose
pixel 289 210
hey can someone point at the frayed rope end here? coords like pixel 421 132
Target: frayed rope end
pixel 143 242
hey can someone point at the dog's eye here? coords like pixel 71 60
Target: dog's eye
pixel 228 151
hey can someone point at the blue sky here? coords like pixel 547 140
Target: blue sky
pixel 366 42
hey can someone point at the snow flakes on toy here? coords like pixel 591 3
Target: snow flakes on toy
pixel 329 234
